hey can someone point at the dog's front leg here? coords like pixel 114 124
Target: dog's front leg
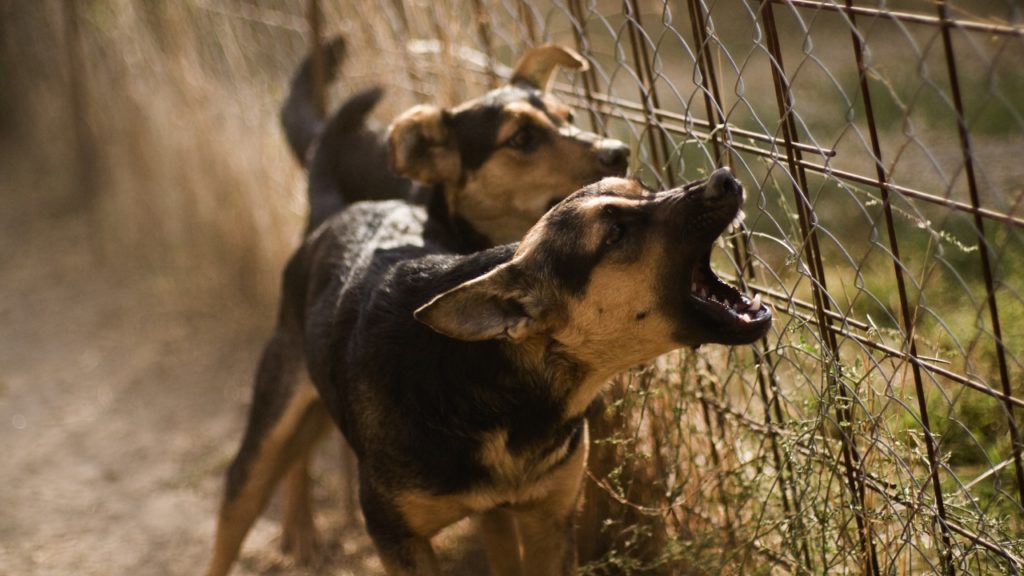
pixel 547 527
pixel 501 538
pixel 402 550
pixel 549 541
pixel 410 557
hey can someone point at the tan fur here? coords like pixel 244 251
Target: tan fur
pixel 501 540
pixel 427 513
pixel 538 509
pixel 591 207
pixel 606 318
pixel 298 533
pixel 294 433
pixel 419 146
pixel 511 470
pixel 423 559
pixel 513 190
pixel 518 114
pixel 537 66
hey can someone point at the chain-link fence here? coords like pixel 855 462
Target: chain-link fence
pixel 876 429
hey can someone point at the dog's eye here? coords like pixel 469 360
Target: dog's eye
pixel 616 227
pixel 524 139
pixel 615 233
pixel 570 117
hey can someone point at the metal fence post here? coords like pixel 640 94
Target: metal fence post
pixel 822 306
pixel 983 252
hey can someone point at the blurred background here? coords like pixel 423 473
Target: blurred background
pixel 148 201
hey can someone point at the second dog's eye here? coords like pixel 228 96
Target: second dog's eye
pixel 615 233
pixel 523 139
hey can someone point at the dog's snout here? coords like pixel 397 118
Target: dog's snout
pixel 722 183
pixel 613 154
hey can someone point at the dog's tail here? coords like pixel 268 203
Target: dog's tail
pixel 301 119
pixel 337 178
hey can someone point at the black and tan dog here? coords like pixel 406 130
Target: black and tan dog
pixel 486 170
pixel 492 165
pixel 462 381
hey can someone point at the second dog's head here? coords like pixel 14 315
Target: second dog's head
pixel 503 159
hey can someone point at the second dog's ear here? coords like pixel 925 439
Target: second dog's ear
pixel 538 65
pixel 486 308
pixel 420 147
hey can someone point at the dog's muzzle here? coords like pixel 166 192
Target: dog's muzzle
pixel 614 155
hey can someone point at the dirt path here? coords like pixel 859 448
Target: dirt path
pixel 121 403
pixel 114 403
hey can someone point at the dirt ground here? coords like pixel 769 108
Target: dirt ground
pixel 121 404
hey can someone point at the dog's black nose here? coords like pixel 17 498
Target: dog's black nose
pixel 722 183
pixel 613 154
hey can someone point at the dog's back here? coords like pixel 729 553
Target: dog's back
pixel 369 268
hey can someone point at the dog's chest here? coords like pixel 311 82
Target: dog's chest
pixel 516 471
pixel 517 480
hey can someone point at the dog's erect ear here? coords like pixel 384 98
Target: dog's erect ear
pixel 537 66
pixel 486 308
pixel 420 146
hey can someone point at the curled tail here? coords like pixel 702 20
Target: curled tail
pixel 302 122
pixel 349 163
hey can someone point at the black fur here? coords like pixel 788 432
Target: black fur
pixel 302 122
pixel 460 390
pixel 350 163
pixel 275 378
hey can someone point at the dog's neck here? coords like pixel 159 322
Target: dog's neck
pixel 574 383
pixel 462 237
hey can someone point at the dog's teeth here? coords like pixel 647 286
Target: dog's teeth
pixel 755 304
pixel 745 317
pixel 703 293
pixel 693 288
pixel 738 220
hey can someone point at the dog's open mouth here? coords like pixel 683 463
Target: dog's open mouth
pixel 733 312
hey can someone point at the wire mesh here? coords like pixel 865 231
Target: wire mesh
pixel 877 428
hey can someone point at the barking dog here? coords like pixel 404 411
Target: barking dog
pixel 461 381
pixel 492 165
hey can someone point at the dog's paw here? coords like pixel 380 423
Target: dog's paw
pixel 299 539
